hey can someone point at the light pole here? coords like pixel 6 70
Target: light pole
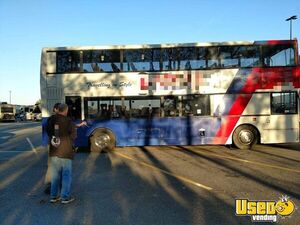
pixel 9 97
pixel 291 19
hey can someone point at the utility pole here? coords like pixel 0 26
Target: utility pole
pixel 291 28
pixel 9 96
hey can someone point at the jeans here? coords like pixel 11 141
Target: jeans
pixel 61 169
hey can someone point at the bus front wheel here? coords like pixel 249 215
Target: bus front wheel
pixel 102 140
pixel 245 136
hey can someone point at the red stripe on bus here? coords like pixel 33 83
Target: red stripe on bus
pixel 258 79
pixel 278 42
pixel 229 122
pixel 268 78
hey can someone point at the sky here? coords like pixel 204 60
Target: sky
pixel 26 26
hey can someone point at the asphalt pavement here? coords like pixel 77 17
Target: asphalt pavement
pixel 145 185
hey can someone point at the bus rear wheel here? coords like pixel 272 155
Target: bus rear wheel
pixel 102 140
pixel 245 136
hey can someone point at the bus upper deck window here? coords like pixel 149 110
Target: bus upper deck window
pixel 278 55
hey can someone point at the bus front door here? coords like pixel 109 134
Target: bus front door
pixel 74 103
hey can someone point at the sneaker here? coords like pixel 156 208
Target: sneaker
pixel 54 200
pixel 67 200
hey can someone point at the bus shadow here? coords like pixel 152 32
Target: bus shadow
pixel 289 146
pixel 160 199
pixel 255 177
pixel 280 155
pixel 109 190
pixel 21 177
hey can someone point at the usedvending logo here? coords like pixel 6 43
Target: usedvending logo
pixel 265 211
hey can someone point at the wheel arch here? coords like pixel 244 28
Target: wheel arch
pixel 93 131
pixel 106 130
pixel 248 124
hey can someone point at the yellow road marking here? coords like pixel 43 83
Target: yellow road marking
pixel 251 162
pixel 165 172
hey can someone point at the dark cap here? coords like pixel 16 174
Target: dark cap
pixel 62 107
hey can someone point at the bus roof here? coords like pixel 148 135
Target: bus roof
pixel 196 44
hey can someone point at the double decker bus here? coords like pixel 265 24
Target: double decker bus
pixel 225 93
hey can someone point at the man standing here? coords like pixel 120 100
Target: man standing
pixel 63 132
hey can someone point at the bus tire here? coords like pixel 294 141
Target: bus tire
pixel 102 140
pixel 245 136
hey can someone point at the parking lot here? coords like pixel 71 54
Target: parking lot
pixel 145 185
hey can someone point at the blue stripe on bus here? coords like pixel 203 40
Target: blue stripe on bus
pixel 239 81
pixel 44 133
pixel 235 88
pixel 154 131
